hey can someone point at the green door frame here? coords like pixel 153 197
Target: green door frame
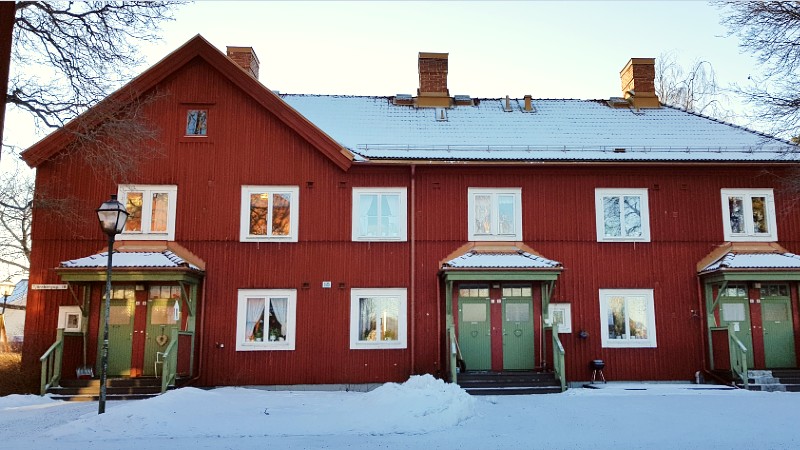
pixel 721 278
pixel 188 279
pixel 450 276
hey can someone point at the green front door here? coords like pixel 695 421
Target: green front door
pixel 161 320
pixel 734 309
pixel 474 331
pixel 776 317
pixel 120 331
pixel 518 335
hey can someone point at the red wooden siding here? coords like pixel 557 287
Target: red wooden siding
pixel 247 145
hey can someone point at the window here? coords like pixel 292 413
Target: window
pixel 622 215
pixel 265 319
pixel 377 318
pixel 196 122
pixel 749 215
pixel 379 214
pixel 495 214
pixel 627 318
pixel 151 211
pixel 561 315
pixel 269 213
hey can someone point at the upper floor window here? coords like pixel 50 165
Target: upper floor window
pixel 151 211
pixel 269 213
pixel 627 318
pixel 622 215
pixel 196 122
pixel 495 214
pixel 379 214
pixel 749 215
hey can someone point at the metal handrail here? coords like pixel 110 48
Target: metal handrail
pixel 451 337
pixel 170 368
pixel 559 359
pixel 738 355
pixel 51 363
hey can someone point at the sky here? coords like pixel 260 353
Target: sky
pixel 423 412
pixel 545 49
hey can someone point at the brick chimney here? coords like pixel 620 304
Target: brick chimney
pixel 433 80
pixel 638 83
pixel 245 58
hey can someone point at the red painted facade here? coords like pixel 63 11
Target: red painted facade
pixel 251 142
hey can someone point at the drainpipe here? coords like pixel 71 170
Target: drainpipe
pixel 412 269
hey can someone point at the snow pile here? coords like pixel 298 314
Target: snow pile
pixel 420 405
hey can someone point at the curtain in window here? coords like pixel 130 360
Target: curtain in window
pixel 254 326
pixel 367 331
pixel 390 203
pixel 368 214
pixel 279 307
pixel 759 214
pixel 483 214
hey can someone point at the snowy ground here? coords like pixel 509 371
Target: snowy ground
pixel 421 413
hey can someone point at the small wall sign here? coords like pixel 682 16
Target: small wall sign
pixel 48 287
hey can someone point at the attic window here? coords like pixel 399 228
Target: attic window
pixel 196 122
pixel 441 115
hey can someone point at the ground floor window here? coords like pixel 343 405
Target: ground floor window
pixel 266 319
pixel 378 318
pixel 627 318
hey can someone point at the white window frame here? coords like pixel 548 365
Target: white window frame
pixel 599 209
pixel 402 319
pixel 494 193
pixel 749 234
pixel 243 345
pixel 294 213
pixel 147 211
pixel 566 308
pixel 402 219
pixel 605 295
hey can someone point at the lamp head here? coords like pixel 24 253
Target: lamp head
pixel 112 216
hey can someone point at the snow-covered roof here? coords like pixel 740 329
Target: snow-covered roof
pixel 754 261
pixel 556 130
pixel 164 259
pixel 516 260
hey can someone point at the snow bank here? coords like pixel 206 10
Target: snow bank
pixel 420 405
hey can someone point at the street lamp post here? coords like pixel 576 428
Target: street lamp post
pixel 112 215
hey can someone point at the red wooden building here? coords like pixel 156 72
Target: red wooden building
pixel 303 239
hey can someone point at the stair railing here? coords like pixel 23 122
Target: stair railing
pixel 51 363
pixel 738 355
pixel 453 346
pixel 170 368
pixel 559 360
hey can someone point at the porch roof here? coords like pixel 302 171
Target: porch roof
pixel 739 261
pixel 497 255
pixel 165 259
pixel 755 261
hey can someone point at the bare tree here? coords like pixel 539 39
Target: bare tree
pixel 771 31
pixel 694 89
pixel 16 203
pixel 66 56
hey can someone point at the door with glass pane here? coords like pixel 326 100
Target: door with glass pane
pixel 120 331
pixel 518 337
pixel 734 308
pixel 776 317
pixel 163 310
pixel 474 327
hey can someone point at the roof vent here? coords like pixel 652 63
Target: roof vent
pixel 403 99
pixel 441 115
pixel 463 100
pixel 528 105
pixel 619 150
pixel 507 104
